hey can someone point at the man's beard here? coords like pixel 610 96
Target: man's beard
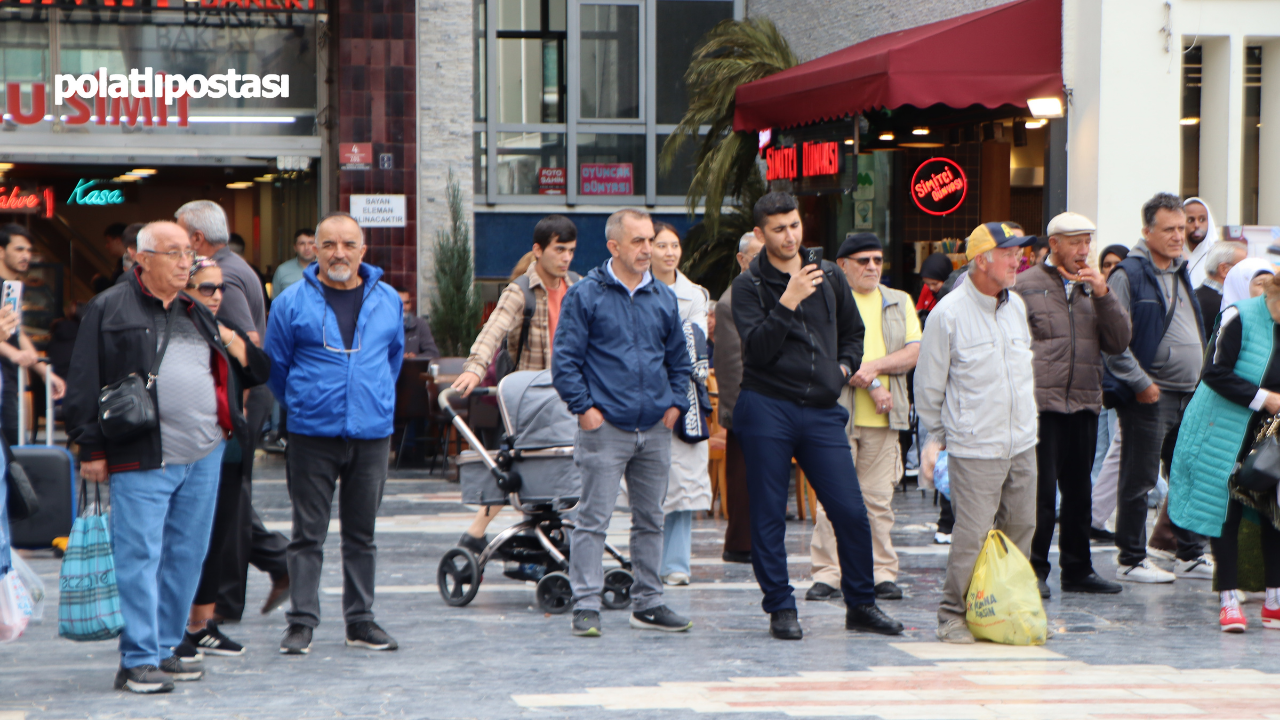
pixel 1198 234
pixel 339 272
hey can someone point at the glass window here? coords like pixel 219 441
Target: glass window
pixel 480 163
pixel 531 85
pixel 1190 120
pixel 480 66
pixel 1252 130
pixel 531 164
pixel 610 61
pixel 681 26
pixel 24 52
pixel 610 164
pixel 532 15
pixel 676 180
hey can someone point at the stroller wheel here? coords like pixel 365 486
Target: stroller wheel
pixel 554 593
pixel 458 578
pixel 617 589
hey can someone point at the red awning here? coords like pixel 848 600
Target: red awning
pixel 999 56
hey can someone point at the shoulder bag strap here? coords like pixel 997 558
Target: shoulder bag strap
pixel 530 304
pixel 164 344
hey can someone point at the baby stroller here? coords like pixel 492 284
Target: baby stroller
pixel 534 471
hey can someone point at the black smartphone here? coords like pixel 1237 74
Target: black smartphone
pixel 811 256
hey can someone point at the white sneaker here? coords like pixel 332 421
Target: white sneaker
pixel 676 578
pixel 1199 569
pixel 1143 572
pixel 941 538
pixel 1159 554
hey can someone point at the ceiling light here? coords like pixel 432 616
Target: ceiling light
pixel 920 131
pixel 265 178
pixel 886 136
pixel 245 185
pixel 142 171
pixel 125 178
pixel 1050 107
pixel 1036 124
pixel 6 166
pixel 922 144
pixel 850 141
pixel 1189 121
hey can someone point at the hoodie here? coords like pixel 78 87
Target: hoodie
pixel 1195 258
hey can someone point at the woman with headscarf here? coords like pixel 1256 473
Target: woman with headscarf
pixel 1248 279
pixel 1202 233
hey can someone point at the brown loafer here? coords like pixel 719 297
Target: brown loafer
pixel 279 593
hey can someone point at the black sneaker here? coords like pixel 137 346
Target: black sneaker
pixel 187 652
pixel 367 634
pixel 297 640
pixel 872 619
pixel 474 544
pixel 182 671
pixel 888 590
pixel 734 556
pixel 660 618
pixel 143 679
pixel 586 623
pixel 785 625
pixel 1091 583
pixel 211 641
pixel 1101 535
pixel 821 591
pixel 1043 587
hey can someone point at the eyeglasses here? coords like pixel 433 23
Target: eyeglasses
pixel 208 289
pixel 863 261
pixel 324 336
pixel 173 254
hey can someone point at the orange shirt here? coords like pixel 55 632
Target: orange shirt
pixel 553 310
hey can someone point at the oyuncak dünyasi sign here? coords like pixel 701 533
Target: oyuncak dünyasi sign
pixel 939 186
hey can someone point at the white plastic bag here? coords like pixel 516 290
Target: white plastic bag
pixel 15 607
pixel 34 585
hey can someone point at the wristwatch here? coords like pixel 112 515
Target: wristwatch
pixel 875 384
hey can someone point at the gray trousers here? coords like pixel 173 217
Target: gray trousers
pixel 604 455
pixel 315 466
pixel 986 495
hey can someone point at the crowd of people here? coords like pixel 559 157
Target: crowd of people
pixel 1064 394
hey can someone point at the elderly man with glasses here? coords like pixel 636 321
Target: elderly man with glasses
pixel 336 342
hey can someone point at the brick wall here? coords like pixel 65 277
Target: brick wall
pixel 377 72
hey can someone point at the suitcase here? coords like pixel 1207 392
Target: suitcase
pixel 52 471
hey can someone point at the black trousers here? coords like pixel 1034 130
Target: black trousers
pixel 737 500
pixel 1226 550
pixel 1064 463
pixel 226 517
pixel 1144 427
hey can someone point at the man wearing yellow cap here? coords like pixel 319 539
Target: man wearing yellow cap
pixel 975 389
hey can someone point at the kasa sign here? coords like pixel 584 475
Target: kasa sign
pixel 939 186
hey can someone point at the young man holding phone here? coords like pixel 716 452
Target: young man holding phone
pixel 801 343
pixel 18 350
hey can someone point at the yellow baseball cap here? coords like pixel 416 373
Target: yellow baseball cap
pixel 992 235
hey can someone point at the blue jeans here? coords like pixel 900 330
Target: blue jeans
pixel 160 526
pixel 772 432
pixel 677 542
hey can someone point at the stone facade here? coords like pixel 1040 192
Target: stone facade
pixel 818 27
pixel 445 111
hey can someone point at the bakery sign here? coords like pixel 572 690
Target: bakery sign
pixel 815 159
pixel 939 186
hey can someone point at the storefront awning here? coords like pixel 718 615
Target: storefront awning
pixel 1000 56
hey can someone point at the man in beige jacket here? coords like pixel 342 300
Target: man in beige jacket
pixel 555 238
pixel 876 399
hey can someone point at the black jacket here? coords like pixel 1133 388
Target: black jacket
pixel 1210 303
pixel 796 355
pixel 117 337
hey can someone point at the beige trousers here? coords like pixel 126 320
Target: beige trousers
pixel 878 459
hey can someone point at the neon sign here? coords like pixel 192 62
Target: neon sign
pixel 16 200
pixel 816 158
pixel 83 195
pixel 781 163
pixel 939 186
pixel 821 158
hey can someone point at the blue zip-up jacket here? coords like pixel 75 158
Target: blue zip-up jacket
pixel 624 355
pixel 327 393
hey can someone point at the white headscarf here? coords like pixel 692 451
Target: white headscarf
pixel 1236 287
pixel 1195 260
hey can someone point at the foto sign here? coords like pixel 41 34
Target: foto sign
pixel 372 211
pixel 607 179
pixel 939 186
pixel 552 181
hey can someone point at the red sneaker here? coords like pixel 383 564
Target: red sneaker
pixel 1232 620
pixel 1270 618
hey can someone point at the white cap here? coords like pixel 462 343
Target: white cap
pixel 1069 223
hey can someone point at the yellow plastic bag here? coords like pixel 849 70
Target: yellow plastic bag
pixel 1004 603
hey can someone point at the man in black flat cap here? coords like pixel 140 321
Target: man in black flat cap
pixel 876 400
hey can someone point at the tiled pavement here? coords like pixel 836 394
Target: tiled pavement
pixel 1151 652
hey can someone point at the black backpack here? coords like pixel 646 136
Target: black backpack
pixel 504 364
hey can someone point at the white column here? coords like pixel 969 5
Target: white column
pixel 1269 136
pixel 1221 130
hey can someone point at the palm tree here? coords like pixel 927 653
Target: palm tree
pixel 735 52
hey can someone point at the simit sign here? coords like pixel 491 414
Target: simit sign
pixel 939 186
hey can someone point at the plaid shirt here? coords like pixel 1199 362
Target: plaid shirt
pixel 506 320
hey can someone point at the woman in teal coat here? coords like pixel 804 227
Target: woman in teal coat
pixel 1240 388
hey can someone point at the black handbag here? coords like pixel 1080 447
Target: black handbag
pixel 1260 471
pixel 125 407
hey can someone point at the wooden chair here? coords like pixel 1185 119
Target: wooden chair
pixel 716 453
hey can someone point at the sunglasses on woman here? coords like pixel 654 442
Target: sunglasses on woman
pixel 208 289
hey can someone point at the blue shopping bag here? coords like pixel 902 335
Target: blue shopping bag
pixel 89 606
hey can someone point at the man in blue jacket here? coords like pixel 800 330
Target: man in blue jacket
pixel 336 342
pixel 620 363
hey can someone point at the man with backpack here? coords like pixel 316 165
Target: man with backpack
pixel 525 318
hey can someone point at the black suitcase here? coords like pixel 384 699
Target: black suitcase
pixel 52 471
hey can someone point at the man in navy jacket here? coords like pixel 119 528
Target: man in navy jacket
pixel 336 342
pixel 620 363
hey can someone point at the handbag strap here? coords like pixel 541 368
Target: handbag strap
pixel 164 344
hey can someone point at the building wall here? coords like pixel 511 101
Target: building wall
pixel 818 27
pixel 445 111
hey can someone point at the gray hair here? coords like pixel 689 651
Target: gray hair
pixel 146 239
pixel 1160 201
pixel 1223 251
pixel 206 217
pixel 744 244
pixel 613 225
pixel 339 214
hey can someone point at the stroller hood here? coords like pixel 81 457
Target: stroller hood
pixel 534 415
